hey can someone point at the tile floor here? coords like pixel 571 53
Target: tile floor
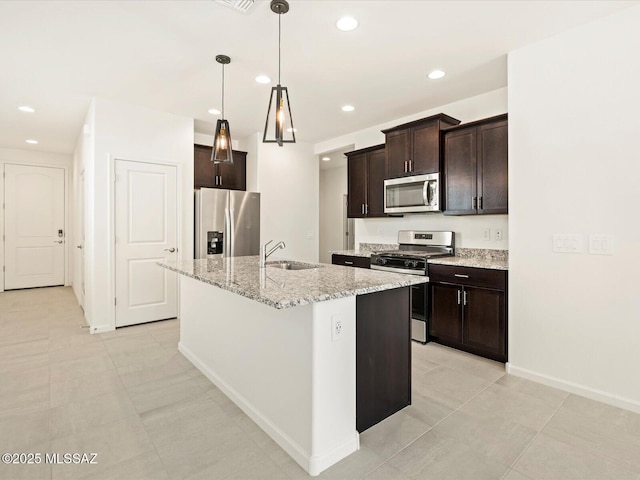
pixel 132 398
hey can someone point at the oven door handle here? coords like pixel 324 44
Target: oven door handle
pixel 398 270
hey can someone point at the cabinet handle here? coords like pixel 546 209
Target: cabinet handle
pixel 348 263
pixel 458 297
pixel 411 165
pixel 405 166
pixel 459 275
pixel 479 203
pixel 220 177
pixel 366 208
pixel 215 182
pixel 464 301
pixel 474 203
pixel 362 208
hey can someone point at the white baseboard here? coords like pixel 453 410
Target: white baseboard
pixel 313 464
pixel 101 329
pixel 582 390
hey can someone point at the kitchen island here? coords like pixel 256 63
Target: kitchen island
pixel 282 344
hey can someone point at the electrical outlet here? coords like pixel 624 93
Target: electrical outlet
pixel 337 327
pixel 497 234
pixel 486 234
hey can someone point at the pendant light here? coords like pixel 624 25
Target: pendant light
pixel 222 150
pixel 281 122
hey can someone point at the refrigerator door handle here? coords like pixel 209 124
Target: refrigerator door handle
pixel 231 233
pixel 227 233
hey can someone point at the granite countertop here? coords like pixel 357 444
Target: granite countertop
pixel 288 288
pixel 491 263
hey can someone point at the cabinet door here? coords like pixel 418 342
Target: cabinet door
pixel 425 157
pixel 356 185
pixel 375 185
pixel 204 170
pixel 234 176
pixel 460 172
pixel 446 313
pixel 398 152
pixel 493 168
pixel 484 321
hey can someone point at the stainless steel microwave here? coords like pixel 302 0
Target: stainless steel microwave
pixel 420 193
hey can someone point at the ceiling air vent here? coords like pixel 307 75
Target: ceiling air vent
pixel 240 5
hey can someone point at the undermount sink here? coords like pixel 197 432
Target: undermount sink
pixel 286 265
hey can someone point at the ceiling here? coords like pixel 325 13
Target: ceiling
pixel 56 55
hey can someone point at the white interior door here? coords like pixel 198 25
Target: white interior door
pixel 34 226
pixel 146 232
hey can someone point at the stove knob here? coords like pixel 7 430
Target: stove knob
pixel 411 263
pixel 381 261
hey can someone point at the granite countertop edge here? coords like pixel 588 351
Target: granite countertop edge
pixel 297 301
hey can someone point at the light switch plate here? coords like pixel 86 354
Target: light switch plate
pixel 600 244
pixel 567 243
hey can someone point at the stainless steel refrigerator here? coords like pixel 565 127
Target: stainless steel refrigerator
pixel 227 223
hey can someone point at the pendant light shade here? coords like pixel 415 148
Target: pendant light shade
pixel 278 127
pixel 222 150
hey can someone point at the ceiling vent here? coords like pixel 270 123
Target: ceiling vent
pixel 241 5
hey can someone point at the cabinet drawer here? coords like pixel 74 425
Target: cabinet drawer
pixel 476 277
pixel 350 261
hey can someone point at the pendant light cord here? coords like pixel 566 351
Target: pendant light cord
pixel 223 91
pixel 279 42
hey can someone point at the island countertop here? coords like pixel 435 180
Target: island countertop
pixel 280 288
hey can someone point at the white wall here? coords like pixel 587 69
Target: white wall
pixel 33 157
pixel 333 187
pixel 574 319
pixel 287 178
pixel 469 229
pixel 127 132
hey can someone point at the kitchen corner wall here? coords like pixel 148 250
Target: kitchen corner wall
pixel 470 230
pixel 116 130
pixel 574 319
pixel 288 181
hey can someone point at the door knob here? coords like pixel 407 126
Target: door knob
pixel 57 241
pixel 79 246
pixel 170 250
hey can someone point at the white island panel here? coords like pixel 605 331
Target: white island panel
pixel 282 367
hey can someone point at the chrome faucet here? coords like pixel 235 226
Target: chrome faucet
pixel 264 254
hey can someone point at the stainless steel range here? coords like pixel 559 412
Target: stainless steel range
pixel 415 248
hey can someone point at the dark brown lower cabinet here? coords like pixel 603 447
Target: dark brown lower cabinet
pixel 470 314
pixel 383 355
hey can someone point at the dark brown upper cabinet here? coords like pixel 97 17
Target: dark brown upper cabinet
pixel 365 184
pixel 476 167
pixel 221 175
pixel 415 148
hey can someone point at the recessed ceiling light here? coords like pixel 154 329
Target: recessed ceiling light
pixel 436 74
pixel 214 111
pixel 263 79
pixel 26 108
pixel 32 142
pixel 346 24
pixel 325 159
pixel 292 130
pixel 348 108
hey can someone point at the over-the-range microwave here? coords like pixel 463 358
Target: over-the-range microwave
pixel 420 193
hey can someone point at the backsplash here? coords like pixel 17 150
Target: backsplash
pixel 377 247
pixel 482 254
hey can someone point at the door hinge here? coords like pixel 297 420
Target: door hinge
pixel 115 301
